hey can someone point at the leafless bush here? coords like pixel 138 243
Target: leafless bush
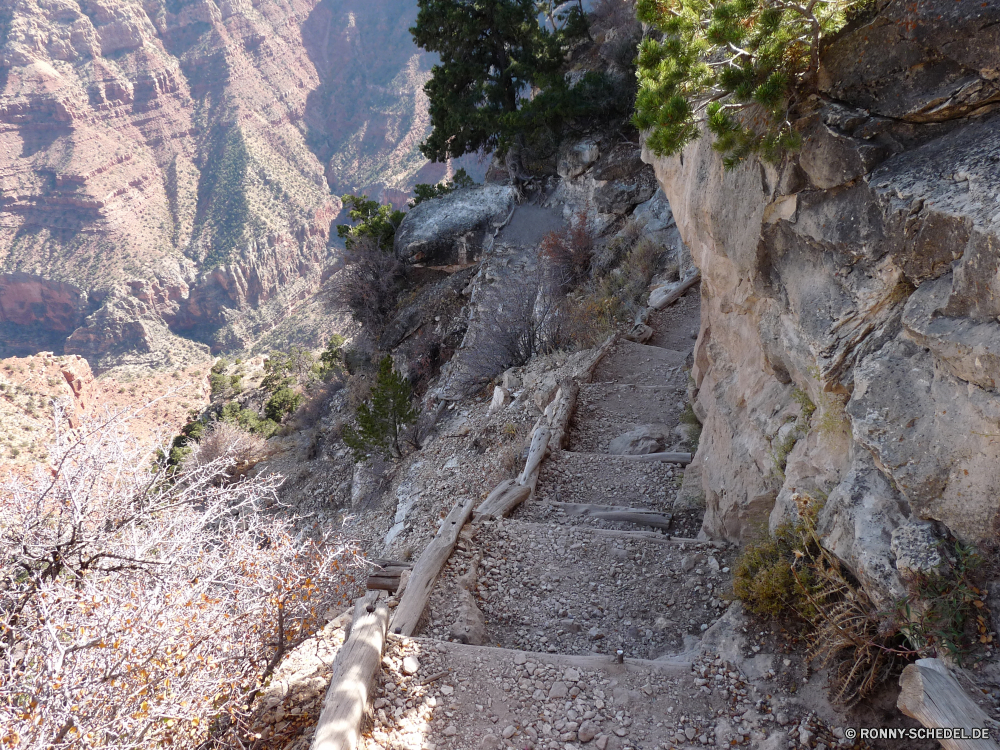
pixel 227 442
pixel 567 252
pixel 142 608
pixel 521 316
pixel 369 286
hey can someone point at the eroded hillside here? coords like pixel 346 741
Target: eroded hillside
pixel 172 161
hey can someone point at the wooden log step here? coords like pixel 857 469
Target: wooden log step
pixel 640 516
pixel 639 536
pixel 666 457
pixel 667 294
pixel 378 562
pixel 383 583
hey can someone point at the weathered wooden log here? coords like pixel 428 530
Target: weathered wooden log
pixel 383 582
pixel 379 562
pixel 425 572
pixel 536 454
pixel 664 296
pixel 932 696
pixel 639 516
pixel 502 501
pixel 587 372
pixel 352 683
pixel 562 413
pixel 669 458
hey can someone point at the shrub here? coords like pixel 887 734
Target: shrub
pixel 332 359
pixel 282 402
pixel 424 192
pixel 738 66
pixel 791 572
pixel 227 441
pixel 129 596
pixel 368 286
pixel 373 221
pixel 218 384
pixel 944 614
pixel 520 318
pixel 248 419
pixel 382 419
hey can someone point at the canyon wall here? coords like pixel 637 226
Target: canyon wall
pixel 850 346
pixel 172 160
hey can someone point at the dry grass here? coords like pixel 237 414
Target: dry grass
pixel 790 571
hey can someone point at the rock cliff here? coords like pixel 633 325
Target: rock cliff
pixel 182 153
pixel 849 338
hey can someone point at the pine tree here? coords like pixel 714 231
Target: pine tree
pixel 372 219
pixel 382 419
pixel 493 52
pixel 737 66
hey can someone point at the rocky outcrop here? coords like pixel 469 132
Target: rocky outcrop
pixel 451 230
pixel 849 336
pixel 604 178
pixel 126 331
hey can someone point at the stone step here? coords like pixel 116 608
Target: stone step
pixel 606 410
pixel 603 479
pixel 485 698
pixel 576 590
pixel 639 364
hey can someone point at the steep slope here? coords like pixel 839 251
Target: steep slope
pixel 857 279
pixel 176 153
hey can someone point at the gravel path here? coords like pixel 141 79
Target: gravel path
pixel 563 596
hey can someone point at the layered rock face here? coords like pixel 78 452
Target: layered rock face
pixel 177 152
pixel 850 337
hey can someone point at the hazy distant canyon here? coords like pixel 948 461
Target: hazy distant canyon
pixel 173 167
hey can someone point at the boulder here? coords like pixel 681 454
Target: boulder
pixel 924 62
pixel 655 213
pixel 650 438
pixel 501 398
pixel 618 196
pixel 450 230
pixel 576 158
pixel 917 548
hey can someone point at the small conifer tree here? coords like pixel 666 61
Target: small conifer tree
pixel 382 419
pixel 738 66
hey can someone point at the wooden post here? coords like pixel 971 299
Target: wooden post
pixel 353 680
pixel 425 572
pixel 932 696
